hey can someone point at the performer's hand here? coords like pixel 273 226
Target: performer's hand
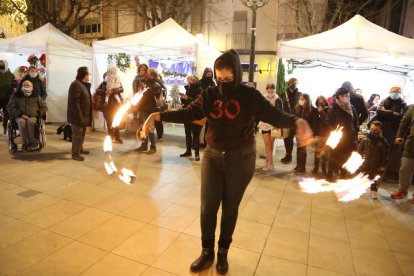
pixel 304 135
pixel 399 141
pixel 149 124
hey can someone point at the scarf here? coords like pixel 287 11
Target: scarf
pixel 345 106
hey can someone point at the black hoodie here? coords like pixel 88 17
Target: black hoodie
pixel 231 115
pixel 207 82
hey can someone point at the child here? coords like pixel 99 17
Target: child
pixel 374 148
pixel 113 81
pixel 321 130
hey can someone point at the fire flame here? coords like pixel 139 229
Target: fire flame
pixel 124 109
pixel 110 167
pixel 107 146
pixel 127 176
pixel 354 162
pixel 334 137
pixel 345 189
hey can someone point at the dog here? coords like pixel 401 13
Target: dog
pixel 66 128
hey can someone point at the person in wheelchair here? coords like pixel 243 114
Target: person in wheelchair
pixel 25 107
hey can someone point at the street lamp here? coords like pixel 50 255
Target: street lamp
pixel 253 5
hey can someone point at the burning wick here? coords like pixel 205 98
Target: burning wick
pixel 334 137
pixel 354 162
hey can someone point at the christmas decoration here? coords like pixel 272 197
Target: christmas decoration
pixel 121 60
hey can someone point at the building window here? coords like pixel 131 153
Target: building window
pixel 90 28
pixel 126 21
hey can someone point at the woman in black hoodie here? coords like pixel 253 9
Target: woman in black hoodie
pixel 229 160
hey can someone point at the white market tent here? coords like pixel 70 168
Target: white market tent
pixel 166 40
pixel 372 58
pixel 63 56
pixel 357 40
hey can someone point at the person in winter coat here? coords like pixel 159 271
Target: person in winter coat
pixel 25 106
pixel 266 129
pixel 39 87
pixel 79 111
pixel 357 101
pixel 229 159
pixel 390 112
pixel 147 105
pixel 109 110
pixel 304 110
pixel 290 100
pixel 140 80
pixel 320 130
pixel 162 106
pixel 342 113
pixel 192 131
pixel 207 79
pixel 374 149
pixel 373 102
pixel 7 85
pixel 405 134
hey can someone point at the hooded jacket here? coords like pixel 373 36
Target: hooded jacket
pixel 192 91
pixel 31 106
pixel 207 82
pixel 357 101
pixel 231 115
pixel 387 117
pixel 39 87
pixel 406 131
pixel 148 103
pixel 7 84
pixel 375 152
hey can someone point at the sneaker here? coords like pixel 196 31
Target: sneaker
pixel 142 148
pixel 299 170
pixel 374 194
pixel 118 141
pixel 152 150
pixel 84 151
pixel 78 158
pixel 268 167
pixel 287 159
pixel 186 154
pixel 399 194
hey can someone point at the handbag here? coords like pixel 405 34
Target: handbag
pixel 280 133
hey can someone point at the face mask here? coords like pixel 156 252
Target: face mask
pixel 346 100
pixel 2 67
pixel 27 91
pixel 270 94
pixel 373 134
pixel 226 87
pixel 321 104
pixel 33 75
pixel 301 102
pixel 395 96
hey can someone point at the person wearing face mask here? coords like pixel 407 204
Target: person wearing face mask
pixel 373 102
pixel 147 105
pixel 266 129
pixel 304 110
pixel 229 159
pixel 290 100
pixel 7 85
pixel 342 113
pixel 206 80
pixel 25 106
pixel 374 150
pixel 390 112
pixel 79 111
pixel 320 130
pixel 192 131
pixel 357 101
pixel 39 87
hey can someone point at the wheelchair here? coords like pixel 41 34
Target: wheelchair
pixel 13 134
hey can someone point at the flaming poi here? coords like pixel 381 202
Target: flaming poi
pixel 354 162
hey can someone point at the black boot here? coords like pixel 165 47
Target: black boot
pixel 287 159
pixel 197 156
pixel 222 265
pixel 205 260
pixel 187 153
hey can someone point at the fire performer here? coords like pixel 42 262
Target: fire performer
pixel 374 149
pixel 229 160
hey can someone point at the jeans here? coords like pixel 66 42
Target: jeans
pixel 27 130
pixel 289 142
pixel 192 136
pixel 78 136
pixel 143 116
pixel 224 178
pixel 406 173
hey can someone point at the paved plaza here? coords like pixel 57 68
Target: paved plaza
pixel 62 217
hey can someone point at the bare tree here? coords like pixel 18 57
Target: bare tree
pixel 315 16
pixel 65 18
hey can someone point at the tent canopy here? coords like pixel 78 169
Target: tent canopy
pixel 356 40
pixel 63 57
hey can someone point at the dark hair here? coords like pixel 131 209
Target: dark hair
pixel 105 74
pixel 321 98
pixel 340 92
pixel 270 86
pixel 308 107
pixel 371 99
pixel 378 124
pixel 142 65
pixel 222 63
pixel 82 73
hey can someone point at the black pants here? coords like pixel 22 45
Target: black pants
pixel 301 156
pixel 224 178
pixel 336 159
pixel 109 117
pixel 289 142
pixel 78 136
pixel 3 106
pixel 160 129
pixel 192 136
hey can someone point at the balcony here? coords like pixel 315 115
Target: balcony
pixel 238 41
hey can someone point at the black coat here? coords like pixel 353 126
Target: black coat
pixel 338 116
pixel 113 104
pixel 79 111
pixel 207 82
pixel 148 103
pixel 289 105
pixel 360 107
pixel 390 121
pixel 192 92
pixel 375 152
pixel 39 87
pixel 319 122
